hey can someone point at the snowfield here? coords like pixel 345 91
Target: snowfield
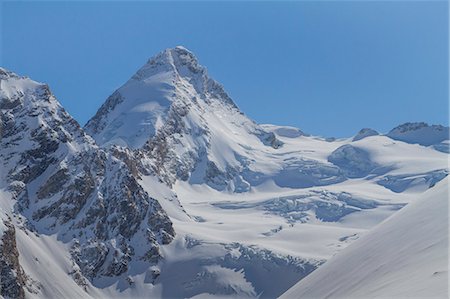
pixel 406 256
pixel 170 191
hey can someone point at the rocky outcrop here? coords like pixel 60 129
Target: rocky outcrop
pixel 12 276
pixel 363 133
pixel 353 161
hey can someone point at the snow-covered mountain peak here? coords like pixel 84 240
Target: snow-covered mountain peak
pixel 183 120
pixel 139 108
pixel 177 59
pixel 409 126
pixel 29 105
pixel 423 134
pixel 11 83
pixel 181 64
pixel 365 132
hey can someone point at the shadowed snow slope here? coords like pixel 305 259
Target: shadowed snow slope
pixel 405 256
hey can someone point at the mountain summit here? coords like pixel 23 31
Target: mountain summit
pixel 138 109
pixel 184 123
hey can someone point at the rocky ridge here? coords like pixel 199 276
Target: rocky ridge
pixel 64 184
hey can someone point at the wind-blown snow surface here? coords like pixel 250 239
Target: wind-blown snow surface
pixel 406 256
pixel 254 208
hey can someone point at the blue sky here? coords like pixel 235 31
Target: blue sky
pixel 329 68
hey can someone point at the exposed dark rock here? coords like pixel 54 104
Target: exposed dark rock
pixel 53 184
pixel 363 133
pixel 90 257
pixel 12 277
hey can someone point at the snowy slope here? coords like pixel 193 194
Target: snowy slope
pixel 311 223
pixel 406 256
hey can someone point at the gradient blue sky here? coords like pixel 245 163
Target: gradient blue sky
pixel 329 68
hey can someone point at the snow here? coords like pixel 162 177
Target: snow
pixel 420 133
pixel 406 256
pixel 284 131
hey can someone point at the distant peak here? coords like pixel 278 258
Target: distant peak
pixel 183 64
pixel 420 132
pixel 365 132
pixel 414 126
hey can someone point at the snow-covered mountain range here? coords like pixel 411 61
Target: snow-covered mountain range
pixel 171 191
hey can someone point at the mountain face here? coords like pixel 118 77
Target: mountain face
pixel 171 80
pixel 170 191
pixel 183 122
pixel 187 128
pixel 63 184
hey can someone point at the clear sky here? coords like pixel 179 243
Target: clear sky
pixel 329 68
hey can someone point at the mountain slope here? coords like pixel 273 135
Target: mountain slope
pixel 56 181
pixel 183 121
pixel 143 103
pixel 404 257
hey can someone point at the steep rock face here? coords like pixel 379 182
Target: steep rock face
pixel 65 185
pixel 12 276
